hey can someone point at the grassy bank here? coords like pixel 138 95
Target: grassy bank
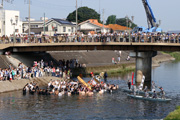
pixel 112 70
pixel 176 55
pixel 175 115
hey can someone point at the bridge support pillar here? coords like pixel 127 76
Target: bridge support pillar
pixel 2 52
pixel 143 64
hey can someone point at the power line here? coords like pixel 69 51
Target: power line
pixel 50 4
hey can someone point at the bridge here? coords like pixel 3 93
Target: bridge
pixel 142 51
pixel 72 46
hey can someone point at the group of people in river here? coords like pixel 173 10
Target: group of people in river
pixel 146 92
pixel 69 87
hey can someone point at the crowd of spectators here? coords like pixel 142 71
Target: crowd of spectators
pixel 39 69
pixel 94 37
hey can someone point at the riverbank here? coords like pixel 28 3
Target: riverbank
pixel 175 115
pixel 7 86
pixel 127 66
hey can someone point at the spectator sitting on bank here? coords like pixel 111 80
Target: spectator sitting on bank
pixel 128 58
pixel 113 61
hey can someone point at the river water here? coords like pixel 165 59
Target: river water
pixel 117 105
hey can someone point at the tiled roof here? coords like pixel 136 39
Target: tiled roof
pixel 95 22
pixel 118 27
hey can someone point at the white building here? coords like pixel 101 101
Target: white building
pixel 58 26
pixel 93 25
pixel 35 25
pixel 10 22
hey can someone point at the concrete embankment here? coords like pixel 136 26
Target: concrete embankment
pixel 7 86
pixel 90 58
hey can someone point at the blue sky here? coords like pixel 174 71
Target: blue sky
pixel 165 10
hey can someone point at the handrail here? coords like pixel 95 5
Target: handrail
pixel 123 38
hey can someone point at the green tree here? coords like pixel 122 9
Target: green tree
pixel 84 13
pixel 111 20
pixel 123 22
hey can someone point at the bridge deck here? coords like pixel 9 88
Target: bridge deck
pixel 28 47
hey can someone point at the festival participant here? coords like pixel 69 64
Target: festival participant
pixel 154 94
pixel 56 92
pixel 145 88
pixel 162 93
pixel 24 90
pixel 134 89
pixel 101 91
pixel 153 86
pixel 105 76
pixel 129 84
pixel 146 94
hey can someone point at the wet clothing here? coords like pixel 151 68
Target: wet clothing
pixel 129 85
pixel 105 77
pixel 134 90
pixel 154 95
pixel 162 93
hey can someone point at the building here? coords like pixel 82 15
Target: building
pixel 36 26
pixel 59 26
pixel 92 25
pixel 10 22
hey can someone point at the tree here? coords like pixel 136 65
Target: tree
pixel 111 20
pixel 123 22
pixel 84 13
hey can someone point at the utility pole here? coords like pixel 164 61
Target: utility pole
pixel 29 20
pixel 103 20
pixel 76 17
pixel 99 6
pixel 44 23
pixel 2 3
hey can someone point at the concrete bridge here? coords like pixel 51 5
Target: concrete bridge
pixel 143 52
pixel 40 47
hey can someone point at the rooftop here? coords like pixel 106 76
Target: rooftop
pixel 61 21
pixel 118 27
pixel 95 22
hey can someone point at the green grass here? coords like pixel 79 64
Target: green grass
pixel 176 55
pixel 112 70
pixel 175 115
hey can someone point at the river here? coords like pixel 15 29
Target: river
pixel 117 105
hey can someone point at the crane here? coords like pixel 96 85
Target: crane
pixel 151 20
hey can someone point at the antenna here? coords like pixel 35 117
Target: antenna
pixel 9 1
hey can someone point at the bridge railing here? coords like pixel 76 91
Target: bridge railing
pixel 95 38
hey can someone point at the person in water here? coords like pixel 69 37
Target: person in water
pixel 162 93
pixel 154 95
pixel 129 84
pixel 146 94
pixel 153 86
pixel 105 76
pixel 134 89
